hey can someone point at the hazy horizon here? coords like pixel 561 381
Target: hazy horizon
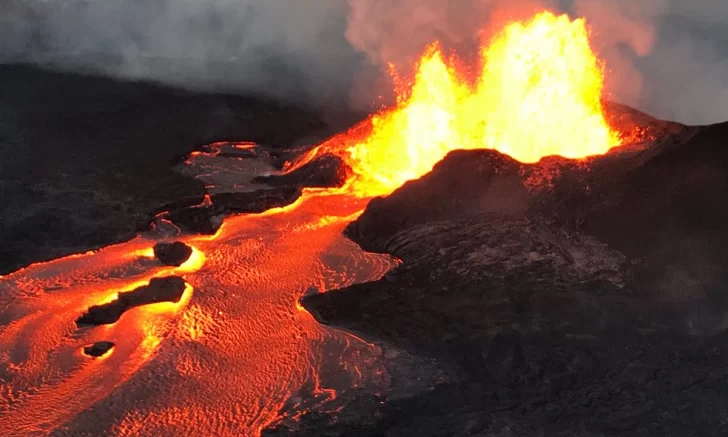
pixel 665 57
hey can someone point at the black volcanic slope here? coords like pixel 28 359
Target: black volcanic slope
pixel 594 305
pixel 85 161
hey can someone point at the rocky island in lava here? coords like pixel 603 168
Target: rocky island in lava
pixel 499 255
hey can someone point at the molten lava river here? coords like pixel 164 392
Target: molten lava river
pixel 237 348
pixel 220 361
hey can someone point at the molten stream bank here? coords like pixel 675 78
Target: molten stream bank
pixel 238 346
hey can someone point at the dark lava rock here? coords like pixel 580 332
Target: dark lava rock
pixel 326 171
pixel 255 201
pixel 92 196
pixel 172 254
pixel 98 349
pixel 205 218
pixel 631 199
pixel 590 303
pixel 167 289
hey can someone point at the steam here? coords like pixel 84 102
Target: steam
pixel 666 57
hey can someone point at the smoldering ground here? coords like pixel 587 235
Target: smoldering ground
pixel 666 57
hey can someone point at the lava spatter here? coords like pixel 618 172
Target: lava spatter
pixel 538 94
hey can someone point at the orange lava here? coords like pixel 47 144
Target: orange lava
pixel 47 379
pixel 237 343
pixel 538 94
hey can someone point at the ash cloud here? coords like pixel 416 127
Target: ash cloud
pixel 666 57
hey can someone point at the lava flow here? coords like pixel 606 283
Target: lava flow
pixel 538 94
pixel 224 360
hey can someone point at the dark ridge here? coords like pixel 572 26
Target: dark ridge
pixel 207 219
pixel 670 213
pixel 465 183
pixel 167 289
pixel 172 254
pixel 324 172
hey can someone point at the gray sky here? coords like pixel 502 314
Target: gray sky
pixel 667 57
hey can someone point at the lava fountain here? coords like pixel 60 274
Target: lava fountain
pixel 538 94
pixel 225 359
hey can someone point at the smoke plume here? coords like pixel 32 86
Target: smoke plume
pixel 287 49
pixel 666 57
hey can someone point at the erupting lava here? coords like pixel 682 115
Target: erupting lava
pixel 235 353
pixel 538 94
